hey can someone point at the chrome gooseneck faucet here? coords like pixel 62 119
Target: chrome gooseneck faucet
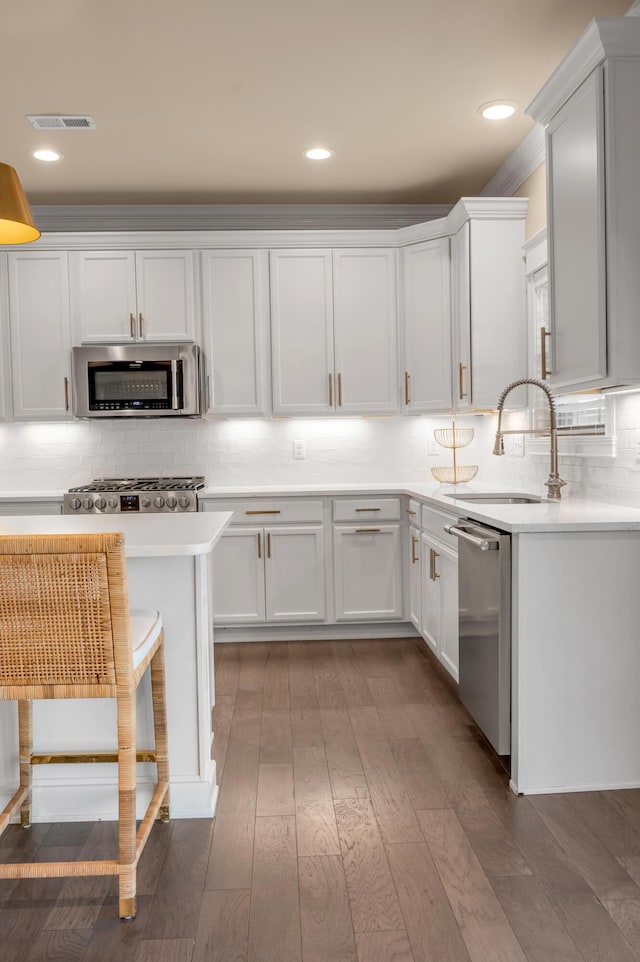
pixel 554 483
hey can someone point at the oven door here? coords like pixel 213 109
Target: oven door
pixel 137 386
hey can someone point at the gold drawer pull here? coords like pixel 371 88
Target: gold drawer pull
pixel 268 544
pixel 544 334
pixel 368 509
pixel 407 378
pixel 271 511
pixel 414 556
pixel 368 530
pixel 409 511
pixel 461 369
pixel 339 390
pixel 259 545
pixel 132 324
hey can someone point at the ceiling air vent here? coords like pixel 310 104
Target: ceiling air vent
pixel 61 122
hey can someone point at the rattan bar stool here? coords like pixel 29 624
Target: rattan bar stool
pixel 66 632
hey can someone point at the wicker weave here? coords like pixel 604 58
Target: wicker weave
pixel 65 633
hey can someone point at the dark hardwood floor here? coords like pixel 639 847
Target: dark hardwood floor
pixel 361 818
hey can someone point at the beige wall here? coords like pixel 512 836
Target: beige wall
pixel 535 188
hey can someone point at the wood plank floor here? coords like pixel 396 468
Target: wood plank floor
pixel 361 819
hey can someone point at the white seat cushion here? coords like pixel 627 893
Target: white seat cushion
pixel 145 628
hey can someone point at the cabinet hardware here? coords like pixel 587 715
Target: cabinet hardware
pixel 409 511
pixel 367 530
pixel 461 369
pixel 66 393
pixel 368 509
pixel 132 324
pixel 407 399
pixel 414 556
pixel 276 511
pixel 430 564
pixel 259 545
pixel 208 392
pixel 339 390
pixel 544 334
pixel 331 390
pixel 433 574
pixel 268 544
pixel 141 324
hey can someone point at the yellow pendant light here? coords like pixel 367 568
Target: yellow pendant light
pixel 16 222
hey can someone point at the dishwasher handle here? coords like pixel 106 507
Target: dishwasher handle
pixel 485 544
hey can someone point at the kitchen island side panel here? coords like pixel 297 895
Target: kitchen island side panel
pixel 576 661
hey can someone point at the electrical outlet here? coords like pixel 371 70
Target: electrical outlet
pixel 517 446
pixel 433 448
pixel 299 450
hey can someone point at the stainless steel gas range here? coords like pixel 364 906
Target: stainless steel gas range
pixel 141 495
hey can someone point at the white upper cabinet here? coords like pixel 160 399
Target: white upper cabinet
pixel 40 335
pixel 488 302
pixel 235 290
pixel 124 296
pixel 425 311
pixel 589 107
pixel 333 324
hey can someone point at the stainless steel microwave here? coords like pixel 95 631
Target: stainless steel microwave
pixel 137 380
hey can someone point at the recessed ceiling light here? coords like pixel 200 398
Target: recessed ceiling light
pixel 47 155
pixel 318 153
pixel 498 109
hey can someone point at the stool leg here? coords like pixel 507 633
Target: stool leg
pixel 160 723
pixel 25 738
pixel 127 804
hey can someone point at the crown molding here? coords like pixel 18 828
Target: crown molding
pixel 234 217
pixel 524 161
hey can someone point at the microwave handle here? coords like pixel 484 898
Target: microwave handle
pixel 174 385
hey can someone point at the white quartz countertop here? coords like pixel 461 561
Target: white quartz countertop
pixel 145 535
pixel 568 514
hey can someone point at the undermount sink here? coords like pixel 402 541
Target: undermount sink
pixel 496 498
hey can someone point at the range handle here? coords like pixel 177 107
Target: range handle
pixel 485 544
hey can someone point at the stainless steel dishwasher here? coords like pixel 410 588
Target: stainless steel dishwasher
pixel 484 603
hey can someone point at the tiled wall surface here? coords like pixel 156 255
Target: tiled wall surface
pixel 57 456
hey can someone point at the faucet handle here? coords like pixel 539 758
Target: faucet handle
pixel 554 484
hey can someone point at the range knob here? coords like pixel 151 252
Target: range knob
pixel 159 502
pixel 171 501
pixel 146 503
pixel 87 504
pixel 100 504
pixel 74 503
pixel 184 501
pixel 113 502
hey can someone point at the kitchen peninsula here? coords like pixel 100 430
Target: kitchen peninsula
pixel 169 569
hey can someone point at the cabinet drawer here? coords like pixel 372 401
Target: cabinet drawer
pixel 413 513
pixel 433 522
pixel 263 511
pixel 367 510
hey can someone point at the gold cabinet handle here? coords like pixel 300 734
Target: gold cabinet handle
pixel 368 530
pixel 414 556
pixel 132 324
pixel 461 369
pixel 407 377
pixel 331 390
pixel 430 564
pixel 409 511
pixel 66 393
pixel 544 334
pixel 435 570
pixel 272 511
pixel 259 545
pixel 268 544
pixel 368 509
pixel 141 324
pixel 339 390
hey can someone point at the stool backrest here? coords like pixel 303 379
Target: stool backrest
pixel 64 615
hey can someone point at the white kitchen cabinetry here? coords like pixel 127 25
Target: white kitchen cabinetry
pixel 5 351
pixel 334 331
pixel 415 553
pixel 271 573
pixel 589 108
pixel 488 301
pixel 425 311
pixel 439 588
pixel 40 334
pixel 235 318
pixel 124 296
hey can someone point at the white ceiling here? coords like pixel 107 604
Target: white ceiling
pixel 212 101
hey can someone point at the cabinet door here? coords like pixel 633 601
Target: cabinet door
pixel 430 594
pixel 302 332
pixel 294 573
pixel 447 567
pixel 165 295
pixel 368 573
pixel 461 317
pixel 235 324
pixel 40 334
pixel 426 326
pixel 103 296
pixel 365 331
pixel 575 166
pixel 5 353
pixel 415 550
pixel 238 577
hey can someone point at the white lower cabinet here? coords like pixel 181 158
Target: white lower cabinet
pixel 439 601
pixel 415 550
pixel 367 573
pixel 273 574
pixel 30 507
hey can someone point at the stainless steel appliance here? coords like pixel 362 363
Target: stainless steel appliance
pixel 484 592
pixel 142 495
pixel 137 380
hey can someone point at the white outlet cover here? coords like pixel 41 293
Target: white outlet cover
pixel 299 450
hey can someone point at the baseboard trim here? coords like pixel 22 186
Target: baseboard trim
pixel 316 633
